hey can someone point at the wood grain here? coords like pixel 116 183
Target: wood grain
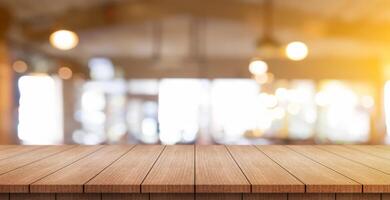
pixel 372 150
pixel 265 197
pixel 117 196
pixel 11 151
pixel 127 174
pixel 72 178
pixel 26 196
pixel 216 171
pixel 19 179
pixel 360 157
pixel 306 196
pixel 12 163
pixel 4 196
pixel 317 177
pixel 222 196
pixel 74 196
pixel 264 174
pixel 172 196
pixel 371 179
pixel 173 171
pixel 358 196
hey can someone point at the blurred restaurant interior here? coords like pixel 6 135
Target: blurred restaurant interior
pixel 194 72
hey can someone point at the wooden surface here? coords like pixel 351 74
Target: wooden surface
pixel 142 172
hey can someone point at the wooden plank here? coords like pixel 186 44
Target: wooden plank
pixel 385 196
pixel 172 196
pixel 315 176
pixel 264 174
pixel 358 196
pixel 8 151
pixel 117 196
pixel 4 196
pixel 306 196
pixel 372 180
pixel 372 150
pixel 216 171
pixel 75 196
pixel 267 196
pixel 360 157
pixel 173 171
pixel 72 178
pixel 19 179
pixel 221 196
pixel 27 196
pixel 127 174
pixel 12 163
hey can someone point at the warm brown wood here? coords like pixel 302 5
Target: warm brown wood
pixel 6 88
pixel 221 196
pixel 172 196
pixel 73 177
pixel 173 171
pixel 113 196
pixel 32 197
pixel 216 171
pixel 19 179
pixel 265 197
pixel 14 162
pixel 385 196
pixel 11 151
pixel 264 174
pixel 67 196
pixel 317 177
pixel 311 197
pixel 358 196
pixel 127 174
pixel 373 150
pixel 360 157
pixel 371 179
pixel 4 196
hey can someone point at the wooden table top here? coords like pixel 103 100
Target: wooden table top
pixel 194 169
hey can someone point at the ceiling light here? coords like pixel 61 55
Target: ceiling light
pixel 65 73
pixel 64 39
pixel 258 67
pixel 296 51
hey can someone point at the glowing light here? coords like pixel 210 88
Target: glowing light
pixel 64 39
pixel 40 110
pixel 19 66
pixel 279 113
pixel 65 73
pixel 258 67
pixel 321 99
pixel 367 102
pixel 270 101
pixel 293 108
pixel 101 68
pixel 296 50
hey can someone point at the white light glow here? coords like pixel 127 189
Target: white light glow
pixel 258 67
pixel 64 39
pixel 40 110
pixel 101 69
pixel 296 51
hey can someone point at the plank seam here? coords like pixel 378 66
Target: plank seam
pixel 360 163
pixel 108 166
pixel 281 166
pixel 19 154
pixel 230 153
pixel 328 168
pixel 38 160
pixel 349 147
pixel 29 186
pixel 146 175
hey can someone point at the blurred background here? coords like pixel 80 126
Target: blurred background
pixel 194 71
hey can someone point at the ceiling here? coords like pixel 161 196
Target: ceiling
pixel 179 30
